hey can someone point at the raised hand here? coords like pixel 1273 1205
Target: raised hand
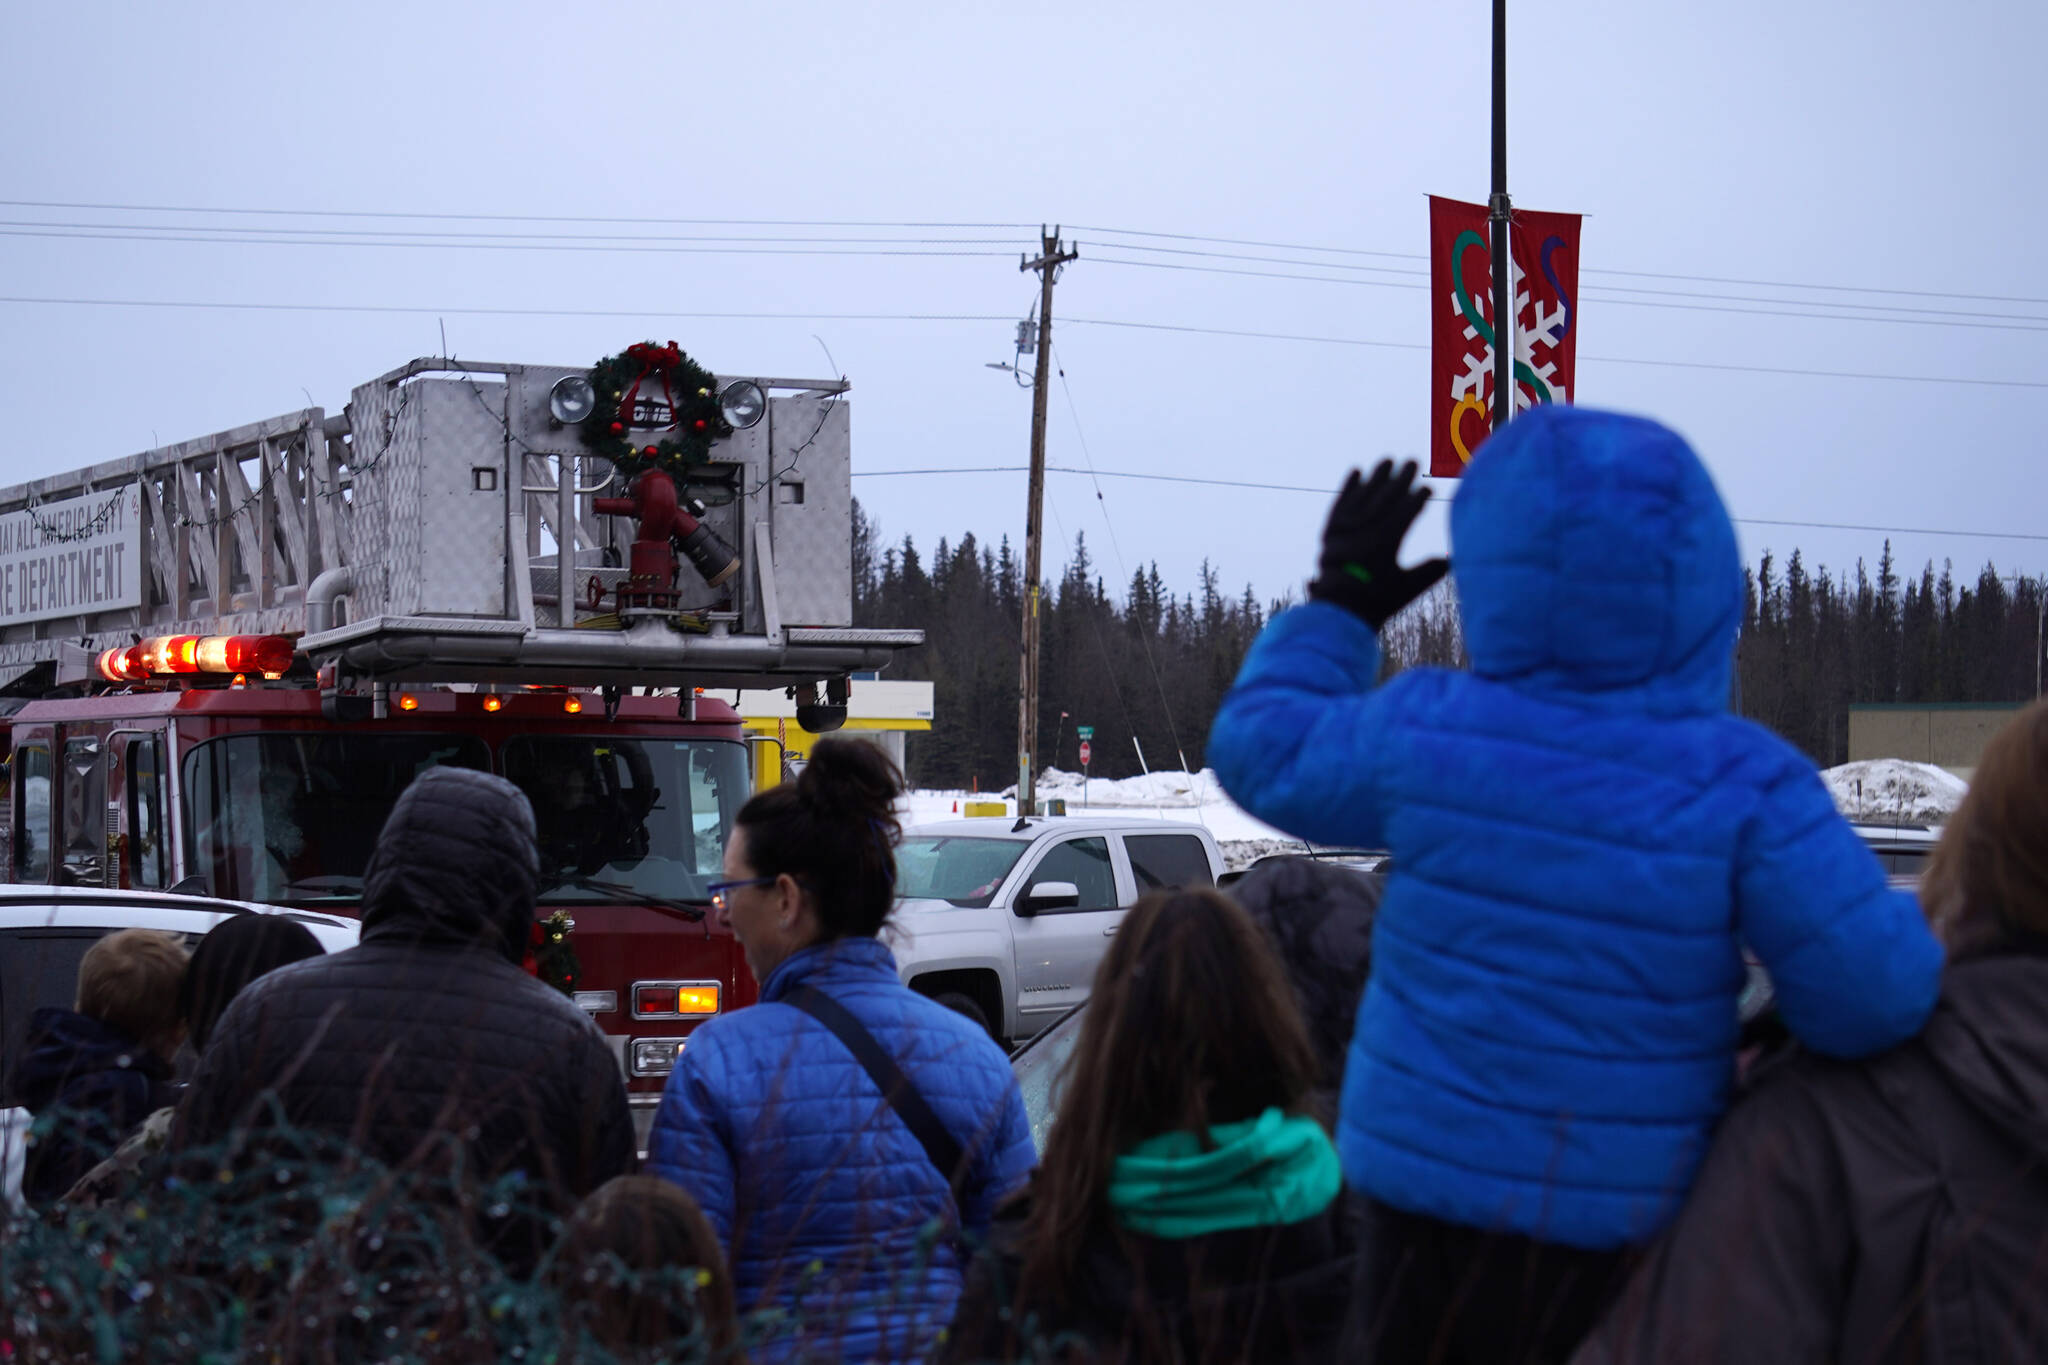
pixel 1361 543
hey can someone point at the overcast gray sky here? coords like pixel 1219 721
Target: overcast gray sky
pixel 1865 147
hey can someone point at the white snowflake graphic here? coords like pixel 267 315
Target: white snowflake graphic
pixel 1536 325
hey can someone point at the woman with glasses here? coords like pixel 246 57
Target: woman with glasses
pixel 845 1136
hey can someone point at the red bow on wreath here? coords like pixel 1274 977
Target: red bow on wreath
pixel 652 359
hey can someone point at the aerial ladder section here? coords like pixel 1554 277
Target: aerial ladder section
pixel 449 527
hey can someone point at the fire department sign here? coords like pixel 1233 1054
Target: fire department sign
pixel 71 558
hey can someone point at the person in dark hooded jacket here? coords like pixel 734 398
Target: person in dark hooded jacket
pixel 1319 916
pixel 426 1047
pixel 1584 842
pixel 1893 1210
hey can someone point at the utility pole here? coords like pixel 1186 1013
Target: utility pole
pixel 1052 255
pixel 1501 214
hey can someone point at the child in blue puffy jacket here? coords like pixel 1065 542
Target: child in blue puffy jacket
pixel 1584 841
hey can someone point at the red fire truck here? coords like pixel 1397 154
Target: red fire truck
pixel 225 658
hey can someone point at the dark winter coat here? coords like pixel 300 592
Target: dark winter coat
pixel 1584 840
pixel 1319 915
pixel 427 1044
pixel 89 1085
pixel 1274 1295
pixel 1883 1212
pixel 827 1205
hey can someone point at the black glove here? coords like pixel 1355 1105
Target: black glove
pixel 1357 571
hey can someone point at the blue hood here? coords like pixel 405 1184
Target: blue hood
pixel 63 1045
pixel 1596 563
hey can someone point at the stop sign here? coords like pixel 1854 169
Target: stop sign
pixel 1084 753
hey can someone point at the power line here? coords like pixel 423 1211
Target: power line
pixel 957 225
pixel 1604 291
pixel 942 248
pixel 238 233
pixel 2019 323
pixel 510 312
pixel 1603 359
pixel 1584 270
pixel 1159 685
pixel 497 217
pixel 496 246
pixel 1440 500
pixel 736 316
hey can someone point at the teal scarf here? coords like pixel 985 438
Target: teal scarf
pixel 1263 1172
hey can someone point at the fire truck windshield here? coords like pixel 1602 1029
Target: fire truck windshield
pixel 293 817
pixel 649 814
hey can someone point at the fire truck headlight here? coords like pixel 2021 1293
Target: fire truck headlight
pixel 571 400
pixel 743 403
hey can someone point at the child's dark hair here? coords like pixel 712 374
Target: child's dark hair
pixel 641 1266
pixel 834 829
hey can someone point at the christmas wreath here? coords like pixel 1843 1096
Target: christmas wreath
pixel 644 374
pixel 548 954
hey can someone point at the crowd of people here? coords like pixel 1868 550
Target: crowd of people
pixel 1502 1113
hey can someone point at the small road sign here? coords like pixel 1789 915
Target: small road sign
pixel 1086 732
pixel 1084 753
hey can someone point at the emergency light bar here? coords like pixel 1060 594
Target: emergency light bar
pixel 161 655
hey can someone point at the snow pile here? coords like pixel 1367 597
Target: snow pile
pixel 1177 796
pixel 1152 789
pixel 1894 791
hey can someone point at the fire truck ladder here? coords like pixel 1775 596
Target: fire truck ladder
pixel 445 529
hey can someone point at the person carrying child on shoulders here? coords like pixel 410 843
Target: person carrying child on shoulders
pixel 1584 842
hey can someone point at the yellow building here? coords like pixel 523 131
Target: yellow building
pixel 879 710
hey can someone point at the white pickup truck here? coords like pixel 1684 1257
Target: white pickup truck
pixel 1006 920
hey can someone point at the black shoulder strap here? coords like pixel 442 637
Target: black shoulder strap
pixel 888 1077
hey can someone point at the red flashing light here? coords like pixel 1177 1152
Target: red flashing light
pixel 243 654
pixel 493 703
pixel 170 654
pixel 572 704
pixel 270 655
pixel 114 666
pixel 408 702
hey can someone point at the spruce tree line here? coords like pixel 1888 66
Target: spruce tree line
pixel 1815 643
pixel 1153 665
pixel 1148 666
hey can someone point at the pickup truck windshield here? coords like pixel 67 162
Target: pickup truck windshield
pixel 962 869
pixel 293 817
pixel 650 814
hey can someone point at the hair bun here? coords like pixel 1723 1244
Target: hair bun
pixel 850 779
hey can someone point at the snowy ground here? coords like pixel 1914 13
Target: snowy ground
pixel 1891 791
pixel 1894 791
pixel 1161 796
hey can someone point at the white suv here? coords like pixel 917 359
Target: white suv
pixel 1006 922
pixel 44 932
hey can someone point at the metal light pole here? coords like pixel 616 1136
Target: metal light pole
pixel 1501 217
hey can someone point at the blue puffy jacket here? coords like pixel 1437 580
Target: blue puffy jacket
pixel 1582 842
pixel 828 1208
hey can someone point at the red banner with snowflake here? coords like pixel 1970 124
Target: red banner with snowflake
pixel 1545 247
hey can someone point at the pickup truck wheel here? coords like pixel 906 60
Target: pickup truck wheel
pixel 964 1004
